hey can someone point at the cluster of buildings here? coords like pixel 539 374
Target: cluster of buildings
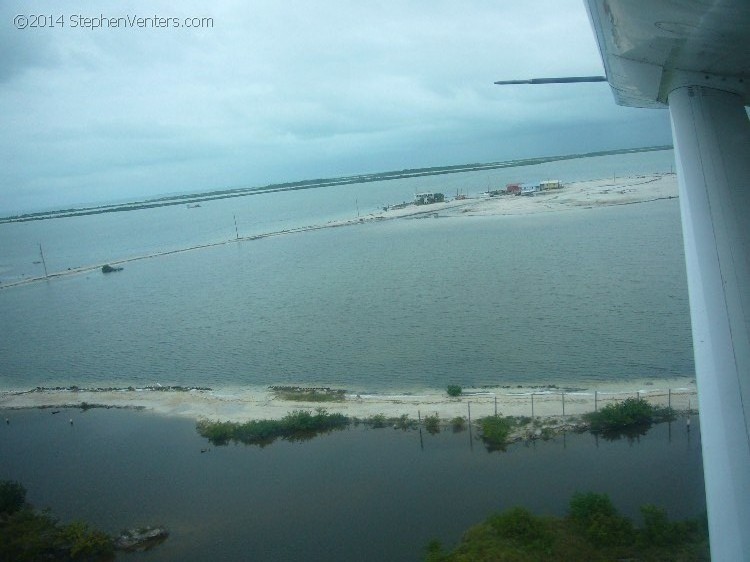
pixel 428 197
pixel 532 188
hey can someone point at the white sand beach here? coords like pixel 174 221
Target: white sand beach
pixel 574 196
pixel 243 404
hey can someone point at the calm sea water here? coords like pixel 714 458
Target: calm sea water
pixel 581 296
pixel 97 239
pixel 360 494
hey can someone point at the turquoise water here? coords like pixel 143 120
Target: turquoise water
pixel 575 297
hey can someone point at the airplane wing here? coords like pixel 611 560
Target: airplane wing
pixel 693 57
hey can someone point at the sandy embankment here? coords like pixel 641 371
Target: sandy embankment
pixel 260 403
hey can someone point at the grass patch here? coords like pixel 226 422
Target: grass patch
pixel 593 530
pixel 302 394
pixel 298 425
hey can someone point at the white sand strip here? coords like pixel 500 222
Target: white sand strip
pixel 259 403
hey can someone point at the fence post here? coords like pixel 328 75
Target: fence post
pixel 563 401
pixel 532 405
pixel 669 400
pixel 638 395
pixel 495 405
pixel 468 404
pixel 596 401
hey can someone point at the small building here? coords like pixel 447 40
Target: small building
pixel 550 184
pixel 513 188
pixel 428 198
pixel 529 188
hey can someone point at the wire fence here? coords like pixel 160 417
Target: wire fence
pixel 560 403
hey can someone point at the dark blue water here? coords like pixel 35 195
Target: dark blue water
pixel 359 494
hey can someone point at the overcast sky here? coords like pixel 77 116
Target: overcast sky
pixel 286 90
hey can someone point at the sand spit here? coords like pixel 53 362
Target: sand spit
pixel 245 404
pixel 574 196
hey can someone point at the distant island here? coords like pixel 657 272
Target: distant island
pixel 195 199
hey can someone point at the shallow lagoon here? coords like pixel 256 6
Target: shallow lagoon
pixel 364 494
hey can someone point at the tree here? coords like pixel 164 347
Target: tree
pixel 12 496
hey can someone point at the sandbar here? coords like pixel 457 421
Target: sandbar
pixel 253 403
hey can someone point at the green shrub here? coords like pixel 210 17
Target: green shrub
pixel 378 420
pixel 599 521
pixel 547 433
pixel 495 431
pixel 434 551
pixel 458 424
pixel 27 535
pixel 30 535
pixel 593 530
pixel 218 433
pixel 623 414
pixel 255 432
pixel 84 542
pixel 612 530
pixel 630 413
pixel 583 507
pixel 656 528
pixel 296 425
pixel 404 423
pixel 519 525
pixel 432 424
pixel 454 390
pixel 659 531
pixel 12 496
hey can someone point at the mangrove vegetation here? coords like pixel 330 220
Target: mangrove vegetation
pixel 298 425
pixel 27 534
pixel 629 418
pixel 592 530
pixel 633 415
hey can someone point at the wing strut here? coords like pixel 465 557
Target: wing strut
pixel 712 148
pixel 563 80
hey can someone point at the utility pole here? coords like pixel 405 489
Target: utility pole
pixel 44 263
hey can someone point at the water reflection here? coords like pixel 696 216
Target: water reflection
pixel 360 493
